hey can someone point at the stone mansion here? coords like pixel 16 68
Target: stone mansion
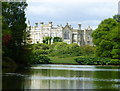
pixel 67 33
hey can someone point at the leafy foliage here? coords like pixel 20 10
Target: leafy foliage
pixel 97 61
pixel 57 39
pixel 39 52
pixel 87 50
pixel 37 58
pixel 47 40
pixel 14 32
pixel 40 48
pixel 64 49
pixel 106 39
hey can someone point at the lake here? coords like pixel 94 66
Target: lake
pixel 50 76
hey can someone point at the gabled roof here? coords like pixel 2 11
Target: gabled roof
pixel 67 27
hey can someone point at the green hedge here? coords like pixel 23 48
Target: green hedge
pixel 37 58
pixel 97 61
pixel 61 48
pixel 114 62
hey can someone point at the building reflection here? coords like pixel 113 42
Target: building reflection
pixel 57 79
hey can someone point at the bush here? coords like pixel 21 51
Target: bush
pixel 92 60
pixel 41 52
pixel 87 50
pixel 114 62
pixel 61 48
pixel 58 48
pixel 47 40
pixel 73 49
pixel 36 58
pixel 57 39
pixel 43 59
pixel 41 46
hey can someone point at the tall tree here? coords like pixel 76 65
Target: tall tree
pixel 14 24
pixel 106 39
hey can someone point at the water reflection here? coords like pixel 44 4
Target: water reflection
pixel 64 77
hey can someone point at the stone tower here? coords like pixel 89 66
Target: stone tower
pixel 119 8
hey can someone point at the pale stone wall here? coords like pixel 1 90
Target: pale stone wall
pixel 87 36
pixel 67 33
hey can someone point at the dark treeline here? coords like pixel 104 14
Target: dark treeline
pixel 14 35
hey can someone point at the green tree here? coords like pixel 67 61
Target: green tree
pixel 114 35
pixel 73 49
pixel 106 39
pixel 57 39
pixel 15 27
pixel 87 50
pixel 40 48
pixel 47 40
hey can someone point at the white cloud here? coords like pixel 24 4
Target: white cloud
pixel 71 1
pixel 42 10
pixel 84 11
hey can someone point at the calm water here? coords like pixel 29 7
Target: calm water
pixel 63 77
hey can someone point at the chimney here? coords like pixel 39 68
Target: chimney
pixel 79 25
pixel 50 23
pixel 36 24
pixel 41 23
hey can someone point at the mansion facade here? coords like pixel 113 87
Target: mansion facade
pixel 67 33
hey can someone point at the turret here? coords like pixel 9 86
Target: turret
pixel 50 23
pixel 36 24
pixel 41 23
pixel 119 8
pixel 79 25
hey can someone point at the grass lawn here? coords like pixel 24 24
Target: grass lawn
pixel 65 60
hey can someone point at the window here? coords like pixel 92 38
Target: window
pixel 66 35
pixel 88 42
pixel 88 36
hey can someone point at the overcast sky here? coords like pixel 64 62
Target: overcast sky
pixel 85 12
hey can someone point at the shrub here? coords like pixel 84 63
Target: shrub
pixel 57 39
pixel 36 58
pixel 73 49
pixel 43 59
pixel 41 46
pixel 61 48
pixel 58 48
pixel 87 50
pixel 47 40
pixel 92 60
pixel 114 62
pixel 41 52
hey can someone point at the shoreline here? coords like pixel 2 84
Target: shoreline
pixel 73 64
